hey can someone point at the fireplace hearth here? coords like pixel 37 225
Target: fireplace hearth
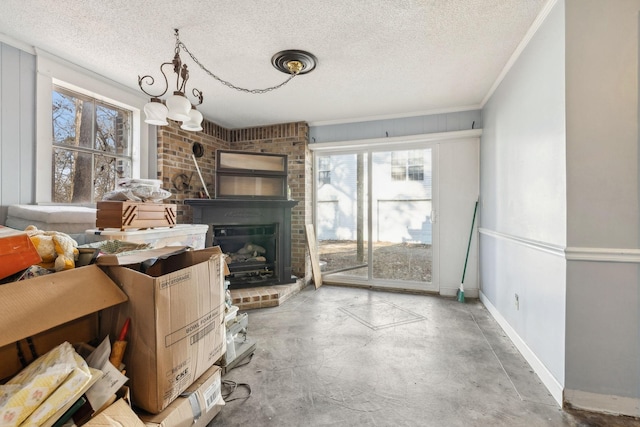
pixel 255 234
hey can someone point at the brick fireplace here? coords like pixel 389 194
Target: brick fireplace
pixel 176 169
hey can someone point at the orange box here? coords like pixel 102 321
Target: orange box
pixel 16 252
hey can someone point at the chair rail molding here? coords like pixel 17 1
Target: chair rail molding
pixel 571 253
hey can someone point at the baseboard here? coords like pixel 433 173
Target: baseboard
pixel 448 291
pixel 549 381
pixel 615 405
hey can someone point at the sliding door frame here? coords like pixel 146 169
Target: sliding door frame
pixel 368 148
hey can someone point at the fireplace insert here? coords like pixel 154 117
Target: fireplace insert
pixel 255 233
pixel 251 252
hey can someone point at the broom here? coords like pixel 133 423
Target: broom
pixel 466 258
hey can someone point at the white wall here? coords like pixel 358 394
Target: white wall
pixel 458 168
pixel 561 216
pixel 17 130
pixel 603 340
pixel 523 202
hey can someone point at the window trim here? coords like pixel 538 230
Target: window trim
pixel 53 71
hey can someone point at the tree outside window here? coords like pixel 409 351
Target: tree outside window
pixel 91 147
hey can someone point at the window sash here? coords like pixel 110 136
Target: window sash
pixel 78 159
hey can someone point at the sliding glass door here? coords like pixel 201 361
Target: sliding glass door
pixel 342 214
pixel 374 217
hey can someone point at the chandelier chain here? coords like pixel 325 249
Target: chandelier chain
pixel 229 84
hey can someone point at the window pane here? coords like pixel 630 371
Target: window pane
pixel 92 147
pixel 324 177
pixel 324 170
pixel 416 158
pixel 399 158
pixel 342 216
pixel 416 173
pixel 112 130
pixel 401 226
pixel 107 171
pixel 72 181
pixel 324 163
pixel 398 173
pixel 64 112
pixel 72 120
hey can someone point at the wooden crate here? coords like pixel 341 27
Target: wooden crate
pixel 128 215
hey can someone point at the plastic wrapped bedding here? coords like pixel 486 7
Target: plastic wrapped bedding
pixel 138 190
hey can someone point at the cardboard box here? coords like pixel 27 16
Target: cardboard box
pixel 176 306
pixel 52 309
pixel 118 414
pixel 16 252
pixel 195 407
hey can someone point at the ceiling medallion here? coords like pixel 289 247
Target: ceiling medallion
pixel 294 61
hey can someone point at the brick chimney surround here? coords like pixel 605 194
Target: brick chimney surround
pixel 177 171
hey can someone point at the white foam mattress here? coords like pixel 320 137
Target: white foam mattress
pixel 66 219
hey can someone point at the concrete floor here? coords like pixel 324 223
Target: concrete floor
pixel 340 356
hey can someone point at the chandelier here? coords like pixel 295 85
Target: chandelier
pixel 179 108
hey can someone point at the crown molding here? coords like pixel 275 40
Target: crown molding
pixel 533 29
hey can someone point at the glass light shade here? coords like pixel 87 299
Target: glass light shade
pixel 156 113
pixel 179 107
pixel 194 123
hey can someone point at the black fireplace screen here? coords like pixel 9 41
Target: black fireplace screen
pixel 252 252
pixel 235 223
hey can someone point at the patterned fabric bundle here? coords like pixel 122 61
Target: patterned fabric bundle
pixel 42 388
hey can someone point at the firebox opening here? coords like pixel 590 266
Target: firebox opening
pixel 252 253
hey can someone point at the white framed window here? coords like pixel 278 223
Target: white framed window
pixel 407 165
pixel 126 153
pixel 91 147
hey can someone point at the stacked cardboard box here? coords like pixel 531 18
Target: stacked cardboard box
pixel 176 306
pixel 195 407
pixel 118 414
pixel 39 314
pixel 175 300
pixel 52 309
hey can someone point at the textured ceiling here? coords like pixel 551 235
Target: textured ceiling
pixel 376 58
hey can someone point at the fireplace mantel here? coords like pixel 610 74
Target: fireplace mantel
pixel 235 209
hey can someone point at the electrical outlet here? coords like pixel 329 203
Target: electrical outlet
pixel 517 302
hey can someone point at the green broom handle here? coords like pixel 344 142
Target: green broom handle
pixel 466 258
